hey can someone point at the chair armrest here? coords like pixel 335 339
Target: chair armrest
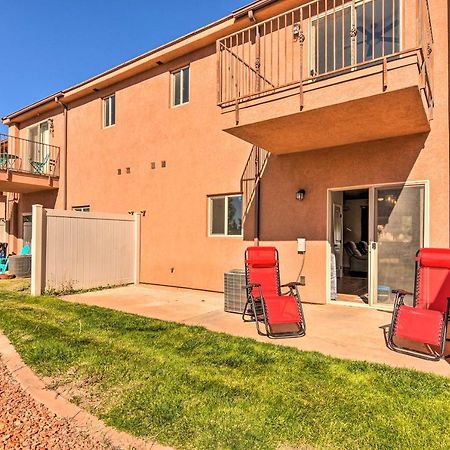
pixel 399 298
pixel 251 286
pixel 401 292
pixel 293 284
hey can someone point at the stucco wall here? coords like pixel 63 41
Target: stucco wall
pixel 203 160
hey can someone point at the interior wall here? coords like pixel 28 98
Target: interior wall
pixel 352 223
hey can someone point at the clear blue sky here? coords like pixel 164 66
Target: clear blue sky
pixel 49 45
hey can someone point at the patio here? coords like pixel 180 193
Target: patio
pixel 339 331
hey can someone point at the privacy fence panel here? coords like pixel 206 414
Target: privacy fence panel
pixel 84 250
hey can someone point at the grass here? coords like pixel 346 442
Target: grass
pixel 194 389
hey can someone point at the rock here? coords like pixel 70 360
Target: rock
pixel 27 425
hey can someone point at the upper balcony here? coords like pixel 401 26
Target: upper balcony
pixel 359 69
pixel 27 166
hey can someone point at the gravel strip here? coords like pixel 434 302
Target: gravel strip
pixel 25 424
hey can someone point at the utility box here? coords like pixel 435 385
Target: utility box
pixel 234 292
pixel 20 265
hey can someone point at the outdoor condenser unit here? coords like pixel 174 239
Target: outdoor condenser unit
pixel 20 265
pixel 234 292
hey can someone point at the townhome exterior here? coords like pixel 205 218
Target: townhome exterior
pixel 323 120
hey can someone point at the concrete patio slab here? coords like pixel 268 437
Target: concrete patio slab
pixel 335 330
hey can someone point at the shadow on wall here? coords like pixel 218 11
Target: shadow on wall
pixel 284 218
pixel 24 207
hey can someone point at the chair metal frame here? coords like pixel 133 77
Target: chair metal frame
pixel 400 301
pixel 258 308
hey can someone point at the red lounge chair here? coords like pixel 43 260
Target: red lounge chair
pixel 265 302
pixel 426 322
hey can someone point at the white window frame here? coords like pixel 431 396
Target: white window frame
pixel 104 105
pixel 42 138
pixel 313 24
pixel 210 217
pixel 84 208
pixel 38 148
pixel 172 75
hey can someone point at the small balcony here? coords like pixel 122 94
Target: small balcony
pixel 27 166
pixel 326 64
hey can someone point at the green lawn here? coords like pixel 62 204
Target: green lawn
pixel 191 388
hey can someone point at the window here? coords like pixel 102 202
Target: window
pixel 225 215
pixel 109 111
pixel 26 228
pixel 86 208
pixel 180 87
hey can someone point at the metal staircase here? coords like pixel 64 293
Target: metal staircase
pixel 251 177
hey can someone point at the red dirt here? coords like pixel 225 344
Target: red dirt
pixel 25 424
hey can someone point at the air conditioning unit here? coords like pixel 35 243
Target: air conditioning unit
pixel 234 292
pixel 20 265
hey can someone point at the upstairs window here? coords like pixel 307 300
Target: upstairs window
pixel 27 225
pixel 109 111
pixel 225 215
pixel 180 86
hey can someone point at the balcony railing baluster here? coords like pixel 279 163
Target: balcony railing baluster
pixel 337 36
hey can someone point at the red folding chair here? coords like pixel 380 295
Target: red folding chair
pixel 282 314
pixel 426 321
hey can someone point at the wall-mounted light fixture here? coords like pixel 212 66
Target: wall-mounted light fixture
pixel 300 195
pixel 143 212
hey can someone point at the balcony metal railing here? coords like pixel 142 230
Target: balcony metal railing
pixel 316 40
pixel 25 156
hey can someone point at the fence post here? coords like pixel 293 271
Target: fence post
pixel 137 248
pixel 37 250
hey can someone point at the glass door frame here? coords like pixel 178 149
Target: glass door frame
pixel 340 10
pixel 373 257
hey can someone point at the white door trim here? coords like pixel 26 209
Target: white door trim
pixel 371 188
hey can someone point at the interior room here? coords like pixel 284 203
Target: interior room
pixel 350 246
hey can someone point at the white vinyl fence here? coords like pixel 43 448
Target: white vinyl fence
pixel 78 250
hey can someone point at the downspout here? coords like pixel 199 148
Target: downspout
pixel 65 112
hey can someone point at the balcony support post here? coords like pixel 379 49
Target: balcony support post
pixel 298 31
pixel 353 33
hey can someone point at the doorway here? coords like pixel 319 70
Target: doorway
pixel 375 233
pixel 350 250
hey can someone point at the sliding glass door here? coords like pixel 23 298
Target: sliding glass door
pixel 374 24
pixel 398 232
pixel 37 148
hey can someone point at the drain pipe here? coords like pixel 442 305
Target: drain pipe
pixel 65 112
